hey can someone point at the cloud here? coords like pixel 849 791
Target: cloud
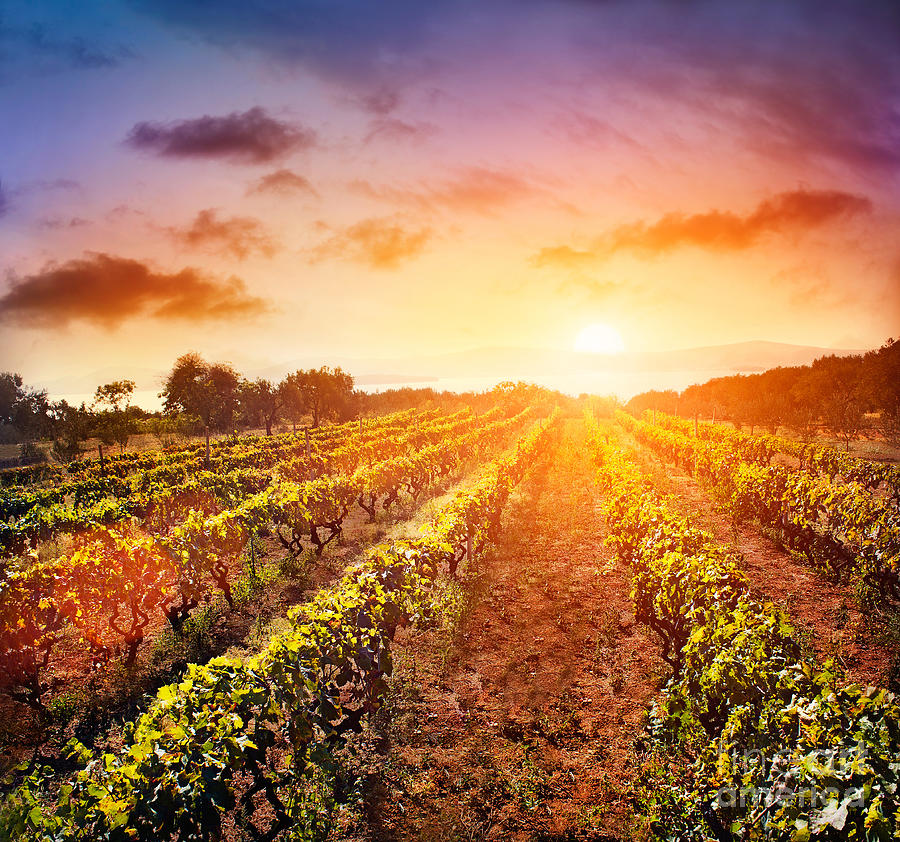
pixel 563 256
pixel 380 102
pixel 65 184
pixel 346 41
pixel 35 186
pixel 239 236
pixel 378 243
pixel 474 189
pixel 393 130
pixel 726 231
pixel 786 213
pixel 251 137
pixel 799 78
pixel 74 51
pixel 284 182
pixel 56 223
pixel 105 290
pixel 41 47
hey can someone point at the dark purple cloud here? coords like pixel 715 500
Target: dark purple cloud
pixel 796 77
pixel 249 137
pixel 105 290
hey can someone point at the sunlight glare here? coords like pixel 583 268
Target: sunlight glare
pixel 599 339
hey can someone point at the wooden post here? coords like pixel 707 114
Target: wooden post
pixel 102 463
pixel 207 445
pixel 306 432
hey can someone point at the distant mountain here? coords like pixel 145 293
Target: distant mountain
pixel 740 356
pixel 145 380
pixel 517 363
pixel 481 367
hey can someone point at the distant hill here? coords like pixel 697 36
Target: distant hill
pixel 583 372
pixel 524 362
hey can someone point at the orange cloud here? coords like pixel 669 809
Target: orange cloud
pixel 107 290
pixel 393 130
pixel 475 189
pixel 716 230
pixel 284 182
pixel 562 256
pixel 378 243
pixel 239 236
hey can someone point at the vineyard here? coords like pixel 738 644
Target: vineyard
pixel 518 624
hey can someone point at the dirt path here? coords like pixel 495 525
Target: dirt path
pixel 523 726
pixel 827 613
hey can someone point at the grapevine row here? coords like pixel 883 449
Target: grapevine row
pixel 177 486
pixel 837 524
pixel 116 581
pixel 781 749
pixel 240 739
pixel 98 481
pixel 815 458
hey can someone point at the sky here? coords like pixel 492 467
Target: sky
pixel 284 179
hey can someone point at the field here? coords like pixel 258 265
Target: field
pixel 524 624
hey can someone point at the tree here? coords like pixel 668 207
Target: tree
pixel 327 392
pixel 832 389
pixel 665 401
pixel 292 402
pixel 71 427
pixel 115 423
pixel 115 396
pixel 882 379
pixel 208 391
pixel 259 398
pixel 26 410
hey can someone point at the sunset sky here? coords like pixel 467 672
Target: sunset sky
pixel 284 179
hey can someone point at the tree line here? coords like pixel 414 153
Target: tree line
pixel 846 397
pixel 197 396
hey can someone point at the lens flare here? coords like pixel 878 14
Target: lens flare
pixel 599 339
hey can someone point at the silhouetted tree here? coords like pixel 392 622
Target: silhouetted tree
pixel 115 422
pixel 208 391
pixel 25 410
pixel 327 392
pixel 260 399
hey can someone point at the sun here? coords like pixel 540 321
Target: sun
pixel 599 339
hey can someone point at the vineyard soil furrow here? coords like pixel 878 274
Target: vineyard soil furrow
pixel 523 724
pixel 827 613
